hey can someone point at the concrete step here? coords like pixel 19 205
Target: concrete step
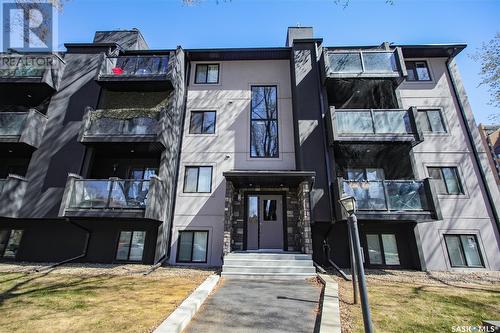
pixel 269 269
pixel 268 276
pixel 265 262
pixel 268 256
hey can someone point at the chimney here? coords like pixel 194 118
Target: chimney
pixel 298 33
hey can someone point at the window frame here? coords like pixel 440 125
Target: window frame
pixel 424 111
pixel 192 246
pixel 382 249
pixel 197 178
pixel 130 246
pixel 457 174
pixel 206 76
pixel 414 68
pixel 10 231
pixel 202 121
pixel 265 120
pixel 463 251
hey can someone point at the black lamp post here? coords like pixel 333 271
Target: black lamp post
pixel 349 205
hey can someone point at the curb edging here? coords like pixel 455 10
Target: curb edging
pixel 330 308
pixel 180 318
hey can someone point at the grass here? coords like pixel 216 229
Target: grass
pixel 54 302
pixel 403 306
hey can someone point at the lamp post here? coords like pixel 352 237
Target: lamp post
pixel 349 205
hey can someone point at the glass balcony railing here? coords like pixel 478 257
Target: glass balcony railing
pixel 12 123
pixel 387 195
pixel 373 121
pixel 109 194
pixel 134 66
pixel 362 62
pixel 108 126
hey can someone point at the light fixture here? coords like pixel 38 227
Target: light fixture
pixel 132 151
pixel 349 204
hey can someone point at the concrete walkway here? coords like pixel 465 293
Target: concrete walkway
pixel 272 306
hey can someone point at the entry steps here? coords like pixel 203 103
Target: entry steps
pixel 271 265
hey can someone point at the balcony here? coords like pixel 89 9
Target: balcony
pixel 413 200
pixel 136 73
pixel 12 191
pixel 124 125
pixel 22 127
pixel 344 64
pixel 29 77
pixel 113 197
pixel 373 125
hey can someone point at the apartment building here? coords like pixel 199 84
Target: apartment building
pixel 185 156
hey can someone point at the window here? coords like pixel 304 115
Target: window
pixel 198 179
pixel 417 71
pixel 365 174
pixel 142 173
pixel 202 122
pixel 192 246
pixel 9 243
pixel 432 121
pixel 382 249
pixel 264 122
pixel 207 74
pixel 446 179
pixel 463 251
pixel 131 245
pixel 269 210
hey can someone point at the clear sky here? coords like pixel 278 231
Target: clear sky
pixel 255 23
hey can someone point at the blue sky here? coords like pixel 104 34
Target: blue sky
pixel 254 23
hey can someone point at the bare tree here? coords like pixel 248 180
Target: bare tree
pixel 489 57
pixel 345 3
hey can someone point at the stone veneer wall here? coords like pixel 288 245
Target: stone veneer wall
pixel 297 217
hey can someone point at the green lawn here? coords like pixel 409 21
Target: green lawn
pixel 56 302
pixel 421 306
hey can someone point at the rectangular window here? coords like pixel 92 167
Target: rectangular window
pixel 202 122
pixel 369 174
pixel 382 249
pixel 432 121
pixel 193 246
pixel 417 71
pixel 269 207
pixel 446 179
pixel 131 245
pixel 9 243
pixel 207 74
pixel 463 251
pixel 198 179
pixel 264 122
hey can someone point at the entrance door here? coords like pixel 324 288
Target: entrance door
pixel 264 222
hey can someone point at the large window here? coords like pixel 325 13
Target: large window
pixel 382 249
pixel 417 71
pixel 131 245
pixel 463 251
pixel 264 122
pixel 202 122
pixel 432 121
pixel 192 246
pixel 198 179
pixel 207 74
pixel 446 179
pixel 9 243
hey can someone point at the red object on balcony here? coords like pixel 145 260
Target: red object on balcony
pixel 117 70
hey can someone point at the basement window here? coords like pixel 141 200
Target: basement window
pixel 193 246
pixel 9 243
pixel 463 251
pixel 131 246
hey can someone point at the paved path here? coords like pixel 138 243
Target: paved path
pixel 259 306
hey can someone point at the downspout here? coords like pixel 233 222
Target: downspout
pixel 187 71
pixel 477 159
pixel 82 255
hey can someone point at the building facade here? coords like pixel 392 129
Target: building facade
pixel 125 154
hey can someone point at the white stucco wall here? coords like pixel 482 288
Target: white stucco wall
pixel 229 147
pixel 463 214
